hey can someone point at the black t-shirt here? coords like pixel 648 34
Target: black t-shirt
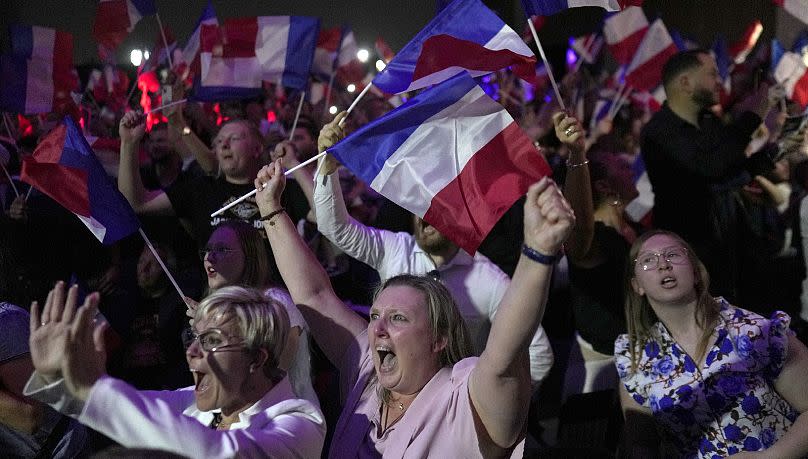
pixel 195 199
pixel 597 293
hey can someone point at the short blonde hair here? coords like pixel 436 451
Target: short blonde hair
pixel 263 322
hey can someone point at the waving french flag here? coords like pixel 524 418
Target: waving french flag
pixel 644 73
pixel 465 35
pixel 237 57
pixel 63 167
pixel 624 32
pixel 550 7
pixel 37 76
pixel 791 72
pixel 114 19
pixel 191 52
pixel 451 155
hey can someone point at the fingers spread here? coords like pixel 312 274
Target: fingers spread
pixel 70 306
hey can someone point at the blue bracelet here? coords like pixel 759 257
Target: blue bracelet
pixel 539 257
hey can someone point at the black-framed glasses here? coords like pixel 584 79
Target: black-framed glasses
pixel 218 252
pixel 650 260
pixel 210 340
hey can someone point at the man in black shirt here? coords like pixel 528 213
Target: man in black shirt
pixel 697 165
pixel 238 148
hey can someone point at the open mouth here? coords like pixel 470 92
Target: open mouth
pixel 669 282
pixel 201 381
pixel 387 358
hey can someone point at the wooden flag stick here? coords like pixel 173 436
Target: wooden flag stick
pixel 356 101
pixel 162 265
pixel 297 115
pixel 165 42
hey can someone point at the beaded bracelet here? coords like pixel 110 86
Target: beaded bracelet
pixel 571 166
pixel 539 257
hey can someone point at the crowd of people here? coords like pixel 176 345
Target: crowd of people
pixel 320 318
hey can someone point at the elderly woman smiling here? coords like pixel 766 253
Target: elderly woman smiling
pixel 410 387
pixel 241 405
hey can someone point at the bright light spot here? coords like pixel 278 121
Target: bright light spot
pixel 136 57
pixel 146 55
pixel 351 88
pixel 362 55
pixel 380 65
pixel 333 110
pixel 571 57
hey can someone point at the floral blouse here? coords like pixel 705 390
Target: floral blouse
pixel 724 407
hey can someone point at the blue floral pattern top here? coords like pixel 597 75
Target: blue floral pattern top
pixel 724 407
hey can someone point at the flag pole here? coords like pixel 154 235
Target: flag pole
pixel 328 92
pixel 28 194
pixel 616 99
pixel 586 50
pixel 165 42
pixel 546 63
pixel 162 265
pixel 297 115
pixel 356 101
pixel 287 173
pixel 5 171
pixel 170 104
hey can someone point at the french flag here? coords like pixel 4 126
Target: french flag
pixel 797 8
pixel 791 72
pixel 114 19
pixel 463 36
pixel 37 76
pixel 451 155
pixel 588 47
pixel 325 53
pixel 191 52
pixel 63 167
pixel 741 49
pixel 624 32
pixel 644 73
pixel 550 7
pixel 237 57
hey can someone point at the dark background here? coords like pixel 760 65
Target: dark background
pixel 396 20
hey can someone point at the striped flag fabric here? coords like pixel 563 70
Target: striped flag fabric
pixel 451 155
pixel 741 49
pixel 464 36
pixel 37 76
pixel 797 8
pixel 588 47
pixel 551 7
pixel 624 32
pixel 238 56
pixel 64 167
pixel 114 19
pixel 644 73
pixel 791 72
pixel 325 53
pixel 192 50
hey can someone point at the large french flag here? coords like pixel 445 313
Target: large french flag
pixel 114 19
pixel 624 32
pixel 644 73
pixel 791 72
pixel 451 155
pixel 191 52
pixel 550 7
pixel 797 8
pixel 37 76
pixel 464 36
pixel 238 56
pixel 64 167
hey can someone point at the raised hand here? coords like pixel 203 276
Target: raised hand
pixel 191 311
pixel 330 134
pixel 85 353
pixel 549 219
pixel 287 153
pixel 569 131
pixel 18 209
pixel 270 183
pixel 132 127
pixel 50 326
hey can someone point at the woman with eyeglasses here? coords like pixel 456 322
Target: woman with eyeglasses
pixel 241 405
pixel 701 377
pixel 236 254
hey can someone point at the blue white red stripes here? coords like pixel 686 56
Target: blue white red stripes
pixel 644 73
pixel 451 155
pixel 624 32
pixel 550 7
pixel 791 72
pixel 466 35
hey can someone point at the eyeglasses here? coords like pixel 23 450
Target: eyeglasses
pixel 672 255
pixel 210 340
pixel 218 252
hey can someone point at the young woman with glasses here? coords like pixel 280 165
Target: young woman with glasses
pixel 241 404
pixel 701 377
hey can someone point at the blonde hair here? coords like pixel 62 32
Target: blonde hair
pixel 444 319
pixel 640 317
pixel 263 322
